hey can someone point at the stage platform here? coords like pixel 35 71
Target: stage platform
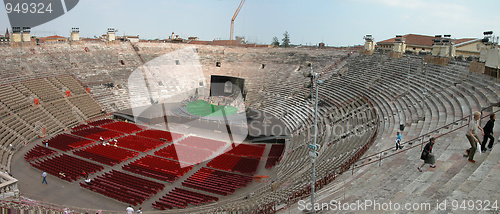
pixel 253 123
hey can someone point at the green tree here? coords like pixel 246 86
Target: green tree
pixel 286 40
pixel 276 41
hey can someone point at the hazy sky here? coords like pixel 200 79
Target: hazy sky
pixel 336 23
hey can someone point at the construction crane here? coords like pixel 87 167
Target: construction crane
pixel 232 21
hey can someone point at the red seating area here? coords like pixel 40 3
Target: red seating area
pixel 216 181
pixel 274 155
pixel 271 161
pixel 180 198
pixel 235 163
pixel 71 167
pixel 38 152
pixel 184 153
pixel 276 150
pixel 159 168
pixel 67 142
pixel 123 127
pixel 159 135
pixel 137 143
pixel 101 122
pixel 95 133
pixel 247 150
pixel 202 143
pixel 109 155
pixel 124 187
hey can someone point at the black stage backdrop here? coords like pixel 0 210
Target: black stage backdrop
pixel 219 86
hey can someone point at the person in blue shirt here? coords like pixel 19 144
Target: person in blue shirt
pixel 398 142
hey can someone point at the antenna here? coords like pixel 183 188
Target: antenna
pixel 490 39
pixel 368 37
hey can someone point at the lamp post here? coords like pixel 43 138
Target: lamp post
pixel 314 147
pixel 425 88
pixel 408 78
pixel 69 41
pixel 312 80
pixel 21 49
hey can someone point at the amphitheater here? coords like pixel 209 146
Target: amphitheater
pixel 364 100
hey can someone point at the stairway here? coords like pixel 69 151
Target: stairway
pixel 397 179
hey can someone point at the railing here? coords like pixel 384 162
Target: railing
pixel 306 191
pixel 334 64
pixel 379 155
pixel 265 208
pixel 351 163
pixel 8 188
pixel 25 203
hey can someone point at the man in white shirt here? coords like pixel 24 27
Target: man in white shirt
pixel 472 132
pixel 44 175
pixel 130 210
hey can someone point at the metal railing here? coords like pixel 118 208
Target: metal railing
pixel 351 163
pixel 325 180
pixel 8 187
pixel 380 155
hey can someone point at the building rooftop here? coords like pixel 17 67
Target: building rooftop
pixel 225 42
pixel 412 39
pixel 199 42
pixel 422 40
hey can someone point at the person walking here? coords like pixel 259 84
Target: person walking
pixel 427 155
pixel 488 133
pixel 398 141
pixel 44 175
pixel 472 132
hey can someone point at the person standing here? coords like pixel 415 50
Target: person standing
pixel 130 210
pixel 427 155
pixel 44 175
pixel 85 175
pixel 398 141
pixel 488 133
pixel 472 132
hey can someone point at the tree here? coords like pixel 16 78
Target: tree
pixel 276 41
pixel 286 40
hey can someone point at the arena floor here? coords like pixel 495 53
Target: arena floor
pixel 70 194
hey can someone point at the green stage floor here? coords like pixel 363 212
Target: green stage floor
pixel 203 108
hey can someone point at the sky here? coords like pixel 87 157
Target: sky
pixel 308 22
